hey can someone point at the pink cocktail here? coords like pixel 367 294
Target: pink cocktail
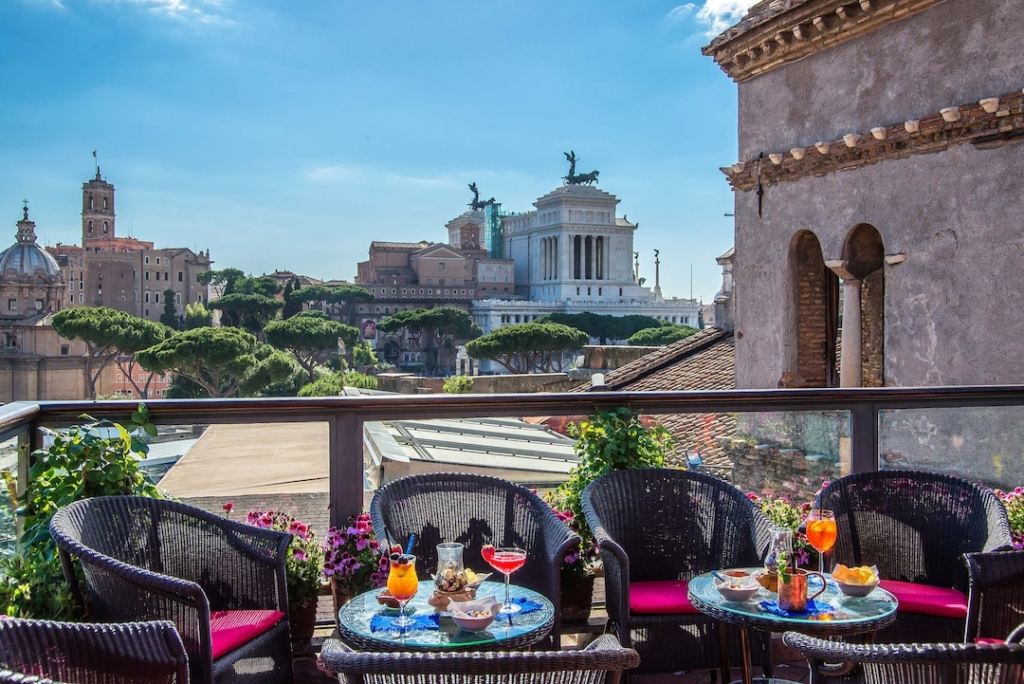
pixel 506 560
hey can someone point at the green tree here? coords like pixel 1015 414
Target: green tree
pixel 247 302
pixel 363 355
pixel 170 316
pixel 197 316
pixel 225 278
pixel 659 337
pixel 341 297
pixel 292 304
pixel 457 384
pixel 529 347
pixel 602 327
pixel 437 332
pixel 332 384
pixel 109 336
pixel 311 338
pixel 222 361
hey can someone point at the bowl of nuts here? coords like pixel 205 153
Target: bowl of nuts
pixel 474 616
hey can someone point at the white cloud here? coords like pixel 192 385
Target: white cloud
pixel 197 11
pixel 680 12
pixel 719 15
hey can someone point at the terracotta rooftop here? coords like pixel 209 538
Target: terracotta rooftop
pixel 704 361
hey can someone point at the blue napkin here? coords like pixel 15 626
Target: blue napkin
pixel 526 605
pixel 386 623
pixel 772 606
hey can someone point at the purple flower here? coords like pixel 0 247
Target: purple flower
pixel 361 544
pixel 299 554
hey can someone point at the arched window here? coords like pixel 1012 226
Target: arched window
pixel 864 307
pixel 817 311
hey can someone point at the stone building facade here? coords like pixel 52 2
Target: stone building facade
pixel 878 186
pixel 125 273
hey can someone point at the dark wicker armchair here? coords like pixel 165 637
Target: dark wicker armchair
pixel 916 527
pixel 657 529
pixel 916 663
pixel 222 583
pixel 41 651
pixel 996 597
pixel 603 661
pixel 475 510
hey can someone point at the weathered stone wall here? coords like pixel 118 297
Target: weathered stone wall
pixel 872 330
pixel 760 467
pixel 955 52
pixel 407 383
pixel 610 357
pixel 952 310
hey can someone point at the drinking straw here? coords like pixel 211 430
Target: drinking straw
pixel 408 546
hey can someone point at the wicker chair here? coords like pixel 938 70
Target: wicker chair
pixel 475 510
pixel 916 663
pixel 602 662
pixel 656 528
pixel 996 597
pixel 222 583
pixel 916 527
pixel 42 651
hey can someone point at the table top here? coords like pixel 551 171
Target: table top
pixel 506 632
pixel 845 615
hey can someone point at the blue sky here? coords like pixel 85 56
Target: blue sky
pixel 288 134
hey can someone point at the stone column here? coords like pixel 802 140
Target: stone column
pixel 849 348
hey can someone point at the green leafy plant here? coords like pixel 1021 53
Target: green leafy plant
pixel 457 384
pixel 331 384
pixel 609 440
pixel 660 336
pixel 98 458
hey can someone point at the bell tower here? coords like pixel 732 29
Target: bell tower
pixel 97 208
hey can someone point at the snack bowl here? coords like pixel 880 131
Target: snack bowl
pixel 855 589
pixel 474 616
pixel 737 590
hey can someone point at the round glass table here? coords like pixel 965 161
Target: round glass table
pixel 837 615
pixel 367 625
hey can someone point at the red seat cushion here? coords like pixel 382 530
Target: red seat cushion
pixel 229 629
pixel 925 599
pixel 662 597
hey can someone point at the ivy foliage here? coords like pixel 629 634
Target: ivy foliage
pixel 609 440
pixel 97 458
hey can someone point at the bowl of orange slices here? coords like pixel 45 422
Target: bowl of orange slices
pixel 856 582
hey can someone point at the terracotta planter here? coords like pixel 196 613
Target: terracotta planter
pixel 577 597
pixel 302 620
pixel 340 596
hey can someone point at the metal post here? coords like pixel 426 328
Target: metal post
pixel 864 435
pixel 346 467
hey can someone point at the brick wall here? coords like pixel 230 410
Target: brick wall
pixel 811 331
pixel 872 335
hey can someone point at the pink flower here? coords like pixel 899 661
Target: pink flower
pixel 374 544
pixel 228 507
pixel 299 554
pixel 362 525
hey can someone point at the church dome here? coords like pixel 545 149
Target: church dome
pixel 25 258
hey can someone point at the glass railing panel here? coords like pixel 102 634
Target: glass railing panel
pixel 982 444
pixel 8 499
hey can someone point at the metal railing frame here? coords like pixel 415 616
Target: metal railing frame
pixel 345 416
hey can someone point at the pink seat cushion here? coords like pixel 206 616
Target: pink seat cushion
pixel 230 629
pixel 662 597
pixel 987 641
pixel 925 599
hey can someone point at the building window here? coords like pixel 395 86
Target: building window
pixel 147 313
pixel 105 205
pixel 64 350
pixel 577 290
pixel 81 285
pixel 106 226
pixel 440 265
pixel 12 304
pixel 177 298
pixel 158 261
pixel 156 297
pixel 146 297
pixel 147 275
pixel 181 276
pixel 620 291
pixel 81 297
pixel 147 260
pixel 90 227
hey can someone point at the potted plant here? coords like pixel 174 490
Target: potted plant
pixel 353 560
pixel 303 566
pixel 608 440
pixel 577 574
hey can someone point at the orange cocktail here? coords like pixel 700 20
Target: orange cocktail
pixel 821 533
pixel 403 584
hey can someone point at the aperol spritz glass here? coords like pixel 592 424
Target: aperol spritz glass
pixel 506 560
pixel 403 585
pixel 821 533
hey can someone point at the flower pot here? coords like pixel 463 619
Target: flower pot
pixel 577 597
pixel 340 595
pixel 302 620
